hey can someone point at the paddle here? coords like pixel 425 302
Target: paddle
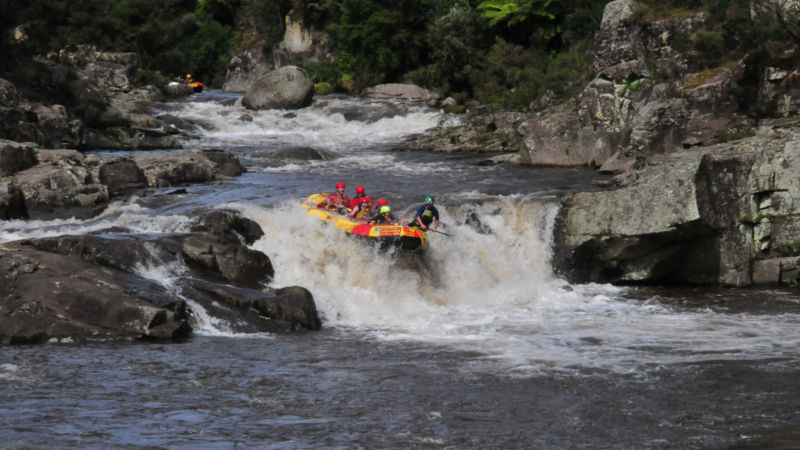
pixel 442 232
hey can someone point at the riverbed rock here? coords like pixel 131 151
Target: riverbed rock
pixel 289 87
pixel 48 283
pixel 176 89
pixel 698 216
pixel 12 202
pixel 47 296
pixel 190 166
pixel 9 94
pixel 66 183
pixel 52 191
pixel 398 91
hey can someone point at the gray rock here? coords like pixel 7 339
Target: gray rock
pixel 179 90
pixel 289 87
pixel 190 166
pixel 247 65
pixel 12 202
pixel 45 296
pixel 398 91
pixel 15 156
pixel 704 216
pixel 9 95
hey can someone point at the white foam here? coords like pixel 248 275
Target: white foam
pixel 495 294
pixel 321 125
pixel 127 214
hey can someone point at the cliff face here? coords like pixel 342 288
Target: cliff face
pixel 698 205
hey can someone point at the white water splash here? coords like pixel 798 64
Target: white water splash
pixel 322 125
pixel 125 214
pixel 494 293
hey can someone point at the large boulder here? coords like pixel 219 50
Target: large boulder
pixel 47 296
pixel 190 166
pixel 53 191
pixel 703 216
pixel 289 87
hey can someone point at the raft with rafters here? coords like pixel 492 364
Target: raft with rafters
pixel 411 239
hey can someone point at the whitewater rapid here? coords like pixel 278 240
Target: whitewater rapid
pixel 488 289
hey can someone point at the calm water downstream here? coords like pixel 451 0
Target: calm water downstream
pixel 477 345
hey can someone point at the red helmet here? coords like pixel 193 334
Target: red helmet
pixel 359 189
pixel 340 185
pixel 382 202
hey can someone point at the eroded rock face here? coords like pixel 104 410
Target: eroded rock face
pixel 701 216
pixel 289 87
pixel 190 166
pixel 247 65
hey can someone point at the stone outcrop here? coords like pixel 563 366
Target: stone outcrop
pixel 725 214
pixel 247 65
pixel 82 99
pixel 289 87
pixel 255 60
pixel 190 166
pixel 90 286
pixel 46 184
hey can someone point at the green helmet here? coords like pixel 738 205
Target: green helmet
pixel 429 199
pixel 385 209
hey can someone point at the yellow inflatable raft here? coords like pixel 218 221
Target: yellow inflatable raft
pixel 411 239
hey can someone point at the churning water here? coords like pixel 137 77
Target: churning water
pixel 475 344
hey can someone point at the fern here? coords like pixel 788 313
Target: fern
pixel 511 12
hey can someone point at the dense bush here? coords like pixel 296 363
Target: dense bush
pixel 503 52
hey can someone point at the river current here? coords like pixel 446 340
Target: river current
pixel 477 344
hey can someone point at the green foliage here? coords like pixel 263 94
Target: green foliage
pixel 514 77
pixel 169 36
pixel 380 40
pixel 512 12
pixel 510 77
pixel 457 45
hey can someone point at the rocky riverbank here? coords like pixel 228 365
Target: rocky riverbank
pixel 720 215
pixel 705 159
pixel 85 99
pixel 70 288
pixel 88 287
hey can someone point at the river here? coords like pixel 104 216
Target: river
pixel 476 344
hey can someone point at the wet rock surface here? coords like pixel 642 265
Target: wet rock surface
pixel 91 286
pixel 725 214
pixel 46 184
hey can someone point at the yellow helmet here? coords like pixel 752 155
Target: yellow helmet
pixel 188 75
